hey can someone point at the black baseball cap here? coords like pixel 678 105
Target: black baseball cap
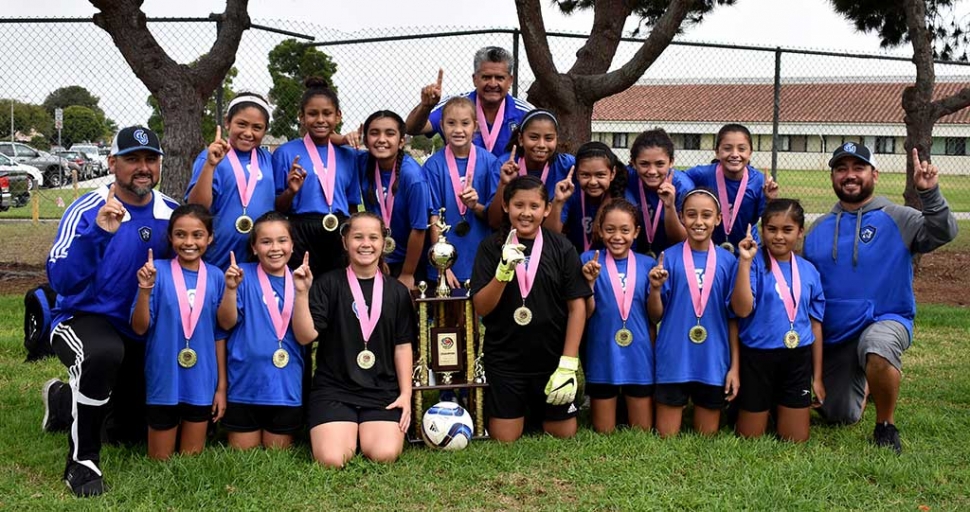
pixel 859 151
pixel 135 138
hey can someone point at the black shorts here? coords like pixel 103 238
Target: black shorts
pixel 775 377
pixel 276 419
pixel 322 410
pixel 702 395
pixel 607 391
pixel 508 397
pixel 166 417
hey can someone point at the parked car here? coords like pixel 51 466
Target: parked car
pixel 22 180
pixel 5 198
pixel 93 153
pixel 86 168
pixel 56 170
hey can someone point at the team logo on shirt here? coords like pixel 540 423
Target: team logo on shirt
pixel 279 302
pixel 587 225
pixel 353 307
pixel 191 295
pixel 259 172
pixel 867 234
pixel 700 277
pixel 145 233
pixel 513 126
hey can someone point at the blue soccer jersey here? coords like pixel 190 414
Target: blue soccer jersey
pixel 412 201
pixel 227 206
pixel 606 362
pixel 577 221
pixel 310 199
pixel 647 209
pixel 253 379
pixel 679 359
pixel 94 271
pixel 515 110
pixel 166 382
pixel 766 326
pixel 752 203
pixel 443 196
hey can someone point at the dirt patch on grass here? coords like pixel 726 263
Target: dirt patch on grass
pixel 17 278
pixel 944 278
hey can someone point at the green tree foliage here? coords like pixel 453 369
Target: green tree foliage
pixel 290 63
pixel 27 118
pixel 888 19
pixel 208 115
pixel 77 95
pixel 427 145
pixel 81 124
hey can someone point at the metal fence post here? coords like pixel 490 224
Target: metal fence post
pixel 515 59
pixel 775 115
pixel 222 85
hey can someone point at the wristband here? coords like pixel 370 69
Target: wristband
pixel 504 272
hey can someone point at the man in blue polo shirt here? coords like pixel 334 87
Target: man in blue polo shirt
pixel 863 250
pixel 498 113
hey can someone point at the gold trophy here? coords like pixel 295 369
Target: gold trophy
pixel 442 255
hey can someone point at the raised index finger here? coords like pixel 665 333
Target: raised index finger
pixel 508 239
pixel 596 256
pixel 749 230
pixel 306 259
pixel 512 154
pixel 111 193
pixel 569 177
pixel 660 260
pixel 232 258
pixel 151 258
pixel 441 74
pixel 916 163
pixel 218 132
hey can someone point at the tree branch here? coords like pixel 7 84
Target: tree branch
pixel 951 104
pixel 537 46
pixel 597 53
pixel 213 66
pixel 596 87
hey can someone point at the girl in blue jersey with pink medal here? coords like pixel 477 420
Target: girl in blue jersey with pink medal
pixel 658 190
pixel 619 340
pixel 185 365
pixel 239 188
pixel 394 186
pixel 696 358
pixel 532 152
pixel 459 180
pixel 265 357
pixel 778 297
pixel 601 178
pixel 317 209
pixel 741 189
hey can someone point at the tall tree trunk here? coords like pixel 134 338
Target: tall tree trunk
pixel 183 138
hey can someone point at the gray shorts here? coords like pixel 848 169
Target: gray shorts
pixel 844 368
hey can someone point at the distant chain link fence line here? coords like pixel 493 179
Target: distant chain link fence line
pixel 823 98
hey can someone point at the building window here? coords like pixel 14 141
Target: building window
pixel 619 140
pixel 956 146
pixel 784 143
pixel 886 145
pixel 692 141
pixel 798 143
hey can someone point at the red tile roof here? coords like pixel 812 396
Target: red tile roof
pixel 863 103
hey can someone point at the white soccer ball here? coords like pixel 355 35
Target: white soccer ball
pixel 447 426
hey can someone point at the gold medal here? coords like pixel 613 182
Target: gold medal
pixel 366 359
pixel 281 358
pixel 697 334
pixel 522 315
pixel 389 244
pixel 728 246
pixel 623 337
pixel 330 222
pixel 187 357
pixel 792 339
pixel 244 224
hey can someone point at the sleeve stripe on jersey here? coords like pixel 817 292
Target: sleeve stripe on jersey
pixel 70 222
pixel 523 105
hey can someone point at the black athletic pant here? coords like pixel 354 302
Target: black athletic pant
pixel 106 374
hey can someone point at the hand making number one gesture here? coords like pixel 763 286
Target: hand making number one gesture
pixel 112 213
pixel 591 270
pixel 509 169
pixel 146 274
pixel 565 188
pixel 658 274
pixel 747 248
pixel 925 174
pixel 431 94
pixel 234 274
pixel 218 149
pixel 302 277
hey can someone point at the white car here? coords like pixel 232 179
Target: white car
pixel 8 166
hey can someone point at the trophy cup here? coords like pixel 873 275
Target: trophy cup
pixel 442 255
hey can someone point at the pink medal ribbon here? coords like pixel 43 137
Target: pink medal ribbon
pixel 367 317
pixel 489 136
pixel 527 276
pixel 624 298
pixel 244 187
pixel 651 230
pixel 190 314
pixel 791 303
pixel 326 177
pixel 280 319
pixel 732 209
pixel 699 297
pixel 523 171
pixel 456 179
pixel 387 201
pixel 582 220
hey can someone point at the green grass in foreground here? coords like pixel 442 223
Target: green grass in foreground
pixel 837 469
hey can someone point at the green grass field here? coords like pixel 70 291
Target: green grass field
pixel 47 204
pixel 837 469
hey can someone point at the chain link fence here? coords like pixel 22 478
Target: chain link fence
pixel 823 98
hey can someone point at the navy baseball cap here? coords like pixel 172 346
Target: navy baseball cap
pixel 135 138
pixel 853 149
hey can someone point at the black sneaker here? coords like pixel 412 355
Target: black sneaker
pixel 886 434
pixel 50 422
pixel 83 481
